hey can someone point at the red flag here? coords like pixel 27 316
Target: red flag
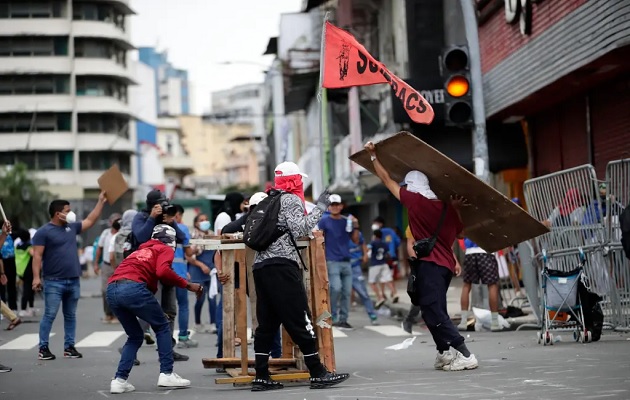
pixel 346 63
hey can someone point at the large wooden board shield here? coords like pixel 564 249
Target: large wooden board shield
pixel 492 220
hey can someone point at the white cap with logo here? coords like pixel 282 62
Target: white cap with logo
pixel 289 168
pixel 257 198
pixel 335 198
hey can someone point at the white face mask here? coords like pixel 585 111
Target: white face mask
pixel 71 217
pixel 204 225
pixel 375 227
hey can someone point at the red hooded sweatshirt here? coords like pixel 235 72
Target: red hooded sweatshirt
pixel 150 263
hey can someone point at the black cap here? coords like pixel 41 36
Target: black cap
pixel 155 197
pixel 165 234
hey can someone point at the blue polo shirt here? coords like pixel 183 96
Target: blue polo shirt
pixel 60 259
pixel 336 238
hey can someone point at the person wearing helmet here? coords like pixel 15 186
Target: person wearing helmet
pixel 130 294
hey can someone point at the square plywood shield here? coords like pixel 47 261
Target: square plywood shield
pixel 113 184
pixel 492 220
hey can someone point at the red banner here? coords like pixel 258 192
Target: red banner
pixel 346 63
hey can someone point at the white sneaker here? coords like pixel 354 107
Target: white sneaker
pixel 461 363
pixel 443 359
pixel 172 380
pixel 495 326
pixel 120 385
pixel 25 313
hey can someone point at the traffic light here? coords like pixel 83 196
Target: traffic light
pixel 455 67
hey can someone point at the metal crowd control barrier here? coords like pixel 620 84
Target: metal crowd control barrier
pixel 569 202
pixel 290 367
pixel 618 197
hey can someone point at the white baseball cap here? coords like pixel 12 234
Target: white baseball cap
pixel 257 198
pixel 289 168
pixel 335 198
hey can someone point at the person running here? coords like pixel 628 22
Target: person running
pixel 379 273
pixel 131 295
pixel 435 270
pixel 55 256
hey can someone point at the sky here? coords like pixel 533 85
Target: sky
pixel 201 34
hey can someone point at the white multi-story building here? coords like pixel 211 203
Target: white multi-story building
pixel 64 107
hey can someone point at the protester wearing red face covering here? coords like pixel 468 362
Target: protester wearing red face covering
pixel 280 294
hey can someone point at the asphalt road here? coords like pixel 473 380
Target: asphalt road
pixel 512 366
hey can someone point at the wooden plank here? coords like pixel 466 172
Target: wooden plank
pixel 249 260
pixel 288 346
pixel 227 257
pixel 287 377
pixel 321 306
pixel 236 362
pixel 492 220
pixel 241 306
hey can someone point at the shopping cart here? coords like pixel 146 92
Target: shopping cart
pixel 561 307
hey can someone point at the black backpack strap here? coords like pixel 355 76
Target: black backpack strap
pixel 442 217
pixel 296 249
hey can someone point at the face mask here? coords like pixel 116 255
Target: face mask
pixel 71 217
pixel 204 225
pixel 375 227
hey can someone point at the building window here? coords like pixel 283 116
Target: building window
pixel 33 9
pixel 109 87
pixel 97 48
pixel 39 122
pixel 104 123
pixel 34 84
pixel 40 160
pixel 98 12
pixel 100 161
pixel 26 46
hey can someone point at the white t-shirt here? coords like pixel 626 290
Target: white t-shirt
pixel 104 243
pixel 112 245
pixel 220 222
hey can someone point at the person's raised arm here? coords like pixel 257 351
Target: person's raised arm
pixel 382 174
pixel 93 217
pixel 141 227
pixel 299 224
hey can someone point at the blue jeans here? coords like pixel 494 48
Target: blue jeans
pixel 340 278
pixel 130 301
pixel 212 305
pixel 64 292
pixel 358 284
pixel 276 348
pixel 182 314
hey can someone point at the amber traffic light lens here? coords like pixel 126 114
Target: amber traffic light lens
pixel 457 86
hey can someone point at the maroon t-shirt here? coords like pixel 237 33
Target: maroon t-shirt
pixel 424 216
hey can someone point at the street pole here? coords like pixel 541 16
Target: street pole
pixel 480 139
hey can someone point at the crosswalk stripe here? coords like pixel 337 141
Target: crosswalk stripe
pixel 390 330
pixel 23 342
pixel 337 333
pixel 100 339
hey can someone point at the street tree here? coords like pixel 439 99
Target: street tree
pixel 23 197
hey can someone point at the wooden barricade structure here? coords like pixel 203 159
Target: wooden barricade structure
pixel 290 367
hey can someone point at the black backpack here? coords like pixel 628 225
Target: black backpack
pixel 624 224
pixel 261 227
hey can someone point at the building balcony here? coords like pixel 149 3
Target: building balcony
pixel 180 165
pixel 37 141
pixel 102 30
pixel 36 103
pixel 104 142
pixel 35 27
pixel 102 104
pixel 102 67
pixel 59 65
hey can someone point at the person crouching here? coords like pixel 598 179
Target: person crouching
pixel 130 294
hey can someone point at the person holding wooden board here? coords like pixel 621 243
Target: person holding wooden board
pixel 435 225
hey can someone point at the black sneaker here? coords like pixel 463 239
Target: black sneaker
pixel 261 385
pixel 327 380
pixel 4 368
pixel 148 339
pixel 45 354
pixel 344 325
pixel 71 352
pixel 136 362
pixel 179 357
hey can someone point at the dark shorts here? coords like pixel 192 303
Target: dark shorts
pixel 481 268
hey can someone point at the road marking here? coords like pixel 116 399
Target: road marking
pixel 390 330
pixel 338 333
pixel 100 339
pixel 24 342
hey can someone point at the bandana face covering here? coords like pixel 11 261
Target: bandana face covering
pixel 291 184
